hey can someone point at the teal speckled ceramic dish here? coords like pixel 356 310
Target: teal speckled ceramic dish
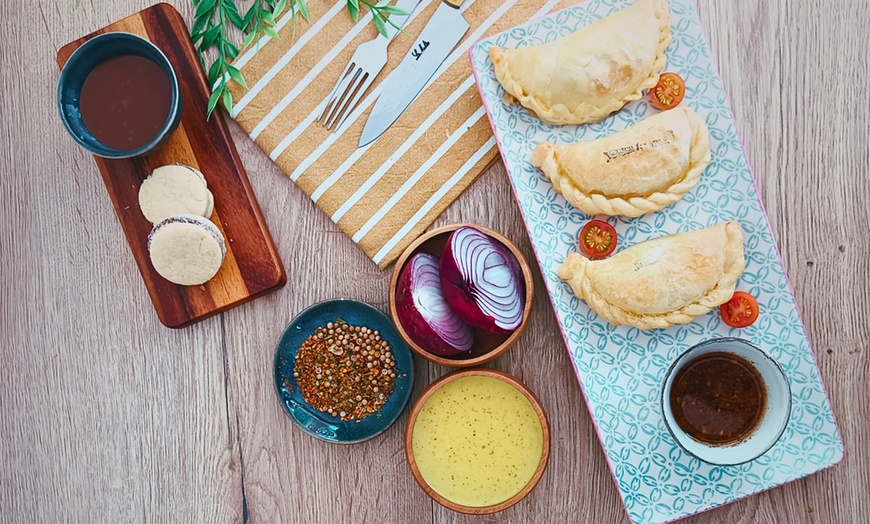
pixel 323 425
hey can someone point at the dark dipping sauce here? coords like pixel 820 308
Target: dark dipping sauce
pixel 718 398
pixel 125 101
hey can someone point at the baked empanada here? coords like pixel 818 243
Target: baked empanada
pixel 661 282
pixel 594 71
pixel 642 169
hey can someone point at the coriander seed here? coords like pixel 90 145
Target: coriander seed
pixel 337 370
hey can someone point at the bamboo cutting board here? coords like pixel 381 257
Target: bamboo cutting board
pixel 252 266
pixel 383 195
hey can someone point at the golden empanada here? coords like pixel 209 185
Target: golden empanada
pixel 661 282
pixel 594 71
pixel 639 170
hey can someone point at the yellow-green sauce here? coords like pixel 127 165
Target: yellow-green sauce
pixel 477 441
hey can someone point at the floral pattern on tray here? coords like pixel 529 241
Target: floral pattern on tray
pixel 621 369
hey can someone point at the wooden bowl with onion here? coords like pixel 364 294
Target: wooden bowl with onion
pixel 518 433
pixel 487 346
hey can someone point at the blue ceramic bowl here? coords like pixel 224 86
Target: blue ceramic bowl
pixel 323 425
pixel 774 419
pixel 79 66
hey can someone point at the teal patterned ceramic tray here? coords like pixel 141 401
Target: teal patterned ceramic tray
pixel 621 369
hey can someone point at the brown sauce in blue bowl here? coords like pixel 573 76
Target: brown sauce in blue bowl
pixel 125 101
pixel 718 398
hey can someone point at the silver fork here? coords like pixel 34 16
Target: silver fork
pixel 365 64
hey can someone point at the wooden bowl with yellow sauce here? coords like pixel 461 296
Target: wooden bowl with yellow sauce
pixel 477 441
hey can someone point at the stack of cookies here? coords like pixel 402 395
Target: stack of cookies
pixel 185 247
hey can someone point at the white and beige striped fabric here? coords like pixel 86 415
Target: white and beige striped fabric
pixel 386 194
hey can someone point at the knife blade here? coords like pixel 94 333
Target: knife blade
pixel 440 35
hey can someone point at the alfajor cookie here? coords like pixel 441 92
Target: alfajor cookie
pixel 186 249
pixel 174 190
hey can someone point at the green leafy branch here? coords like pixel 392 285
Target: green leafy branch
pixel 259 20
pixel 380 13
pixel 210 30
pixel 213 20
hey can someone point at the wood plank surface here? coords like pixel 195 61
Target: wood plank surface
pixel 108 416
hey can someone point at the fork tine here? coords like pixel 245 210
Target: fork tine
pixel 357 79
pixel 342 94
pixel 367 81
pixel 341 87
pixel 335 90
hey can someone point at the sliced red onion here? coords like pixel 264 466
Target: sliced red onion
pixel 424 314
pixel 482 281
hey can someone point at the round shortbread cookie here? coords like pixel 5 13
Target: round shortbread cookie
pixel 196 171
pixel 186 249
pixel 172 190
pixel 210 209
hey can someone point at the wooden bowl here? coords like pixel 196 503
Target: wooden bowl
pixel 485 372
pixel 487 346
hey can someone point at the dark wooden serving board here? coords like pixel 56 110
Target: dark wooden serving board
pixel 252 266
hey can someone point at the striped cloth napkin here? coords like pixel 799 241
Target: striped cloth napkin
pixel 386 194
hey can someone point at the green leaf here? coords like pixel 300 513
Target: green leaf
pixel 232 50
pixel 279 8
pixel 236 75
pixel 213 100
pixel 393 10
pixel 200 35
pixel 270 32
pixel 210 37
pixel 302 6
pixel 249 15
pixel 228 99
pixel 249 39
pixel 353 9
pixel 204 8
pixel 234 16
pixel 198 26
pixel 214 72
pixel 379 23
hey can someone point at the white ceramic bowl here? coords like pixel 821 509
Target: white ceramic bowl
pixel 774 419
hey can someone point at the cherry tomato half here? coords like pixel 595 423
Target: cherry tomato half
pixel 597 239
pixel 669 92
pixel 740 311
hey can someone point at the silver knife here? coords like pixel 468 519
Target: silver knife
pixel 442 32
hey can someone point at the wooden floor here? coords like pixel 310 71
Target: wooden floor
pixel 105 415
